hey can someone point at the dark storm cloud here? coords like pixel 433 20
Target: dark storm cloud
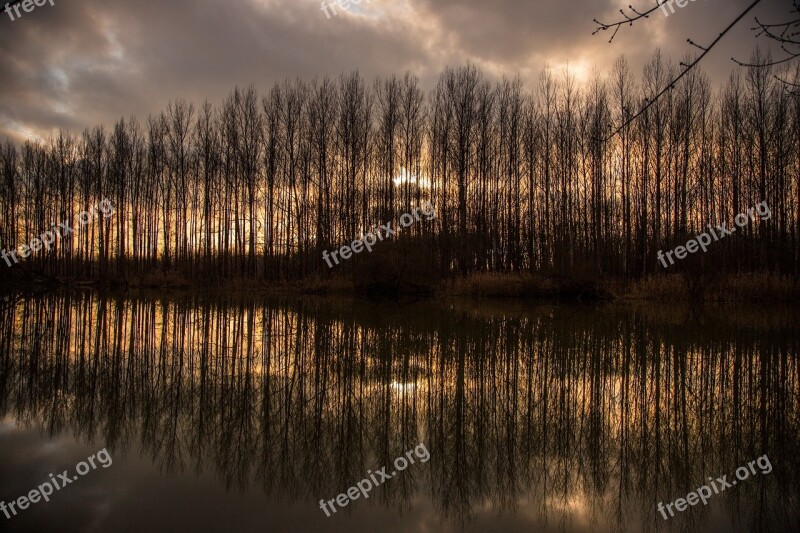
pixel 84 62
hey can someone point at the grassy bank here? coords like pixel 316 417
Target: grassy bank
pixel 523 286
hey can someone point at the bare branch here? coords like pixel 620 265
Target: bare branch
pixel 790 87
pixel 783 33
pixel 686 69
pixel 629 20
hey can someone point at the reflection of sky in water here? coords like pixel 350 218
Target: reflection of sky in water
pixel 131 495
pixel 343 383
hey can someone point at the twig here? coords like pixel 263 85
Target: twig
pixel 782 38
pixel 601 26
pixel 685 71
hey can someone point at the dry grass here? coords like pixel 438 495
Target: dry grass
pixel 332 285
pixel 669 287
pixel 523 285
pixel 492 285
pixel 742 288
pixel 761 287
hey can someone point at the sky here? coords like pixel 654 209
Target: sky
pixel 79 63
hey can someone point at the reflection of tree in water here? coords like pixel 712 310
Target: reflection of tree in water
pixel 595 417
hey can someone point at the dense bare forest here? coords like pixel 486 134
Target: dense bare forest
pixel 520 177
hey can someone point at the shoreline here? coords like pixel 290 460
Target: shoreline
pixel 742 288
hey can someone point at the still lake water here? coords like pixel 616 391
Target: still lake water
pixel 241 414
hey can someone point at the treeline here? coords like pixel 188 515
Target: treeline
pixel 521 177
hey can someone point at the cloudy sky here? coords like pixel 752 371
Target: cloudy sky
pixel 84 62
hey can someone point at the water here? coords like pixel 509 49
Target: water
pixel 241 414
